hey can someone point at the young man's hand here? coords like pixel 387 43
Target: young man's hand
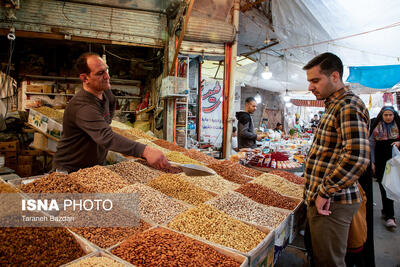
pixel 322 205
pixel 155 157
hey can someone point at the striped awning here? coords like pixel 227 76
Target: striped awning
pixel 308 103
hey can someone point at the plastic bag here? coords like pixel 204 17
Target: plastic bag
pixel 391 178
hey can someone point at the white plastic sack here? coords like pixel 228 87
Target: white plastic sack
pixel 391 178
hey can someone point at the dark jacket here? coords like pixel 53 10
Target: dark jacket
pixel 246 136
pixel 87 135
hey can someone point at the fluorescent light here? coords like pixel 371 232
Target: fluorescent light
pixel 286 97
pixel 258 98
pixel 289 104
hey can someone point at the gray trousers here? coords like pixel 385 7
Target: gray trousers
pixel 329 234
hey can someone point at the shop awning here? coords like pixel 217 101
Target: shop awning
pixel 308 103
pixel 379 77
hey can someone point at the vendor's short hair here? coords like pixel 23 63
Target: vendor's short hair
pixel 328 63
pixel 278 124
pixel 249 99
pixel 234 129
pixel 81 63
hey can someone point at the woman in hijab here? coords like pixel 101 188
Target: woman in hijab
pixel 385 132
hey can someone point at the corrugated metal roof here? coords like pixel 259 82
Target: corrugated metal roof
pixel 124 25
pixel 203 29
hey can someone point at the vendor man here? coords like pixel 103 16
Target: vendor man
pixel 87 135
pixel 246 136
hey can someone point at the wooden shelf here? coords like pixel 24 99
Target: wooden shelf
pixel 181 125
pixel 174 96
pixel 60 78
pixel 145 110
pixel 37 93
pixel 40 131
pixel 127 97
pixel 181 103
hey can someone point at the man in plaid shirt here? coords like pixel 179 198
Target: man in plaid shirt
pixel 337 158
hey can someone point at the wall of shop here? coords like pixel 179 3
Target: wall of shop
pixel 269 100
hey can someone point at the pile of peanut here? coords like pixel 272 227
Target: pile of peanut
pixel 213 183
pixel 289 176
pixel 134 172
pixel 245 209
pixel 174 186
pixel 199 156
pixel 168 145
pixel 162 247
pixel 280 185
pixel 98 179
pixel 105 237
pixel 213 225
pixel 154 205
pixel 37 246
pixel 97 262
pixel 180 158
pixel 266 196
pixel 124 133
pixel 229 173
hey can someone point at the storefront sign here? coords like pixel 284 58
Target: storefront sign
pixel 211 111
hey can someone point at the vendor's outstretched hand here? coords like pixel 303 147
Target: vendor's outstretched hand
pixel 155 157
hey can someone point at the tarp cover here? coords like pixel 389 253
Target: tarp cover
pixel 380 77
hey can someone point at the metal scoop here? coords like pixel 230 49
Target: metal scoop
pixel 193 169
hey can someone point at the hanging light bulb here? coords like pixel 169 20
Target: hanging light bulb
pixel 289 104
pixel 266 73
pixel 286 97
pixel 258 98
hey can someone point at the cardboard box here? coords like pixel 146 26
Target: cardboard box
pixel 40 141
pixel 24 170
pixel 42 88
pixel 51 145
pixel 25 160
pixel 38 120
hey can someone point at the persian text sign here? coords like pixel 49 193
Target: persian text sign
pixel 211 111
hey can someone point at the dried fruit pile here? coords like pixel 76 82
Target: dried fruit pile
pixel 5 188
pixel 213 183
pixel 37 246
pixel 134 172
pixel 289 176
pixel 170 169
pixel 245 209
pixel 162 247
pixel 105 237
pixel 199 156
pixel 180 158
pixel 53 183
pixel 98 179
pixel 97 261
pixel 266 196
pixel 240 168
pixel 151 144
pixel 154 205
pixel 174 186
pixel 230 174
pixel 213 225
pixel 280 185
pixel 169 145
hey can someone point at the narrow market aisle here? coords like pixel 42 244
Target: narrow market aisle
pixel 387 244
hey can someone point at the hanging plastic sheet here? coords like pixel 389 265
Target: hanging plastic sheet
pixel 379 77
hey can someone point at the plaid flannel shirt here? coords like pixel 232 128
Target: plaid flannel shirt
pixel 340 151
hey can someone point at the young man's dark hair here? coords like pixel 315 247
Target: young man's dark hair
pixel 328 63
pixel 234 129
pixel 250 99
pixel 81 63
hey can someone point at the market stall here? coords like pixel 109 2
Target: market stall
pixel 248 226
